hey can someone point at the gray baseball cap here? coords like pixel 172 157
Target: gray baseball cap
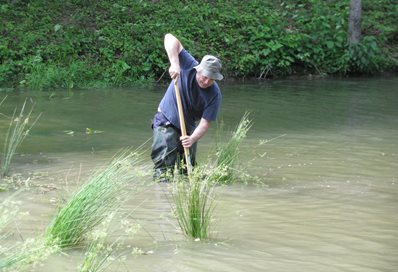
pixel 210 67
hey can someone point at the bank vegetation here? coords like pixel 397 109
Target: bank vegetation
pixel 86 44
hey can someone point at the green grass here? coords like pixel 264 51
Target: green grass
pixel 193 203
pixel 17 131
pixel 193 196
pixel 227 154
pixel 103 193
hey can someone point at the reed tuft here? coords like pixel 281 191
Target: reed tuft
pixel 228 153
pixel 102 194
pixel 16 134
pixel 193 203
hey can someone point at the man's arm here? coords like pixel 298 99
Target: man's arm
pixel 200 130
pixel 173 48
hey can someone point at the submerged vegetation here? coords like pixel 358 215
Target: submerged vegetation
pixel 74 44
pixel 98 252
pixel 9 211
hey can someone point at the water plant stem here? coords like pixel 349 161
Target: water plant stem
pixel 16 134
pixel 193 203
pixel 228 153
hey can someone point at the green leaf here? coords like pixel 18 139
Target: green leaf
pixel 329 44
pixel 57 27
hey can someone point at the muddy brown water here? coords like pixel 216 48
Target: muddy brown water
pixel 324 154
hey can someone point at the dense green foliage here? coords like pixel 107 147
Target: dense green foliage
pixel 75 43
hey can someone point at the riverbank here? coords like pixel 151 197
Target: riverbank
pixel 98 44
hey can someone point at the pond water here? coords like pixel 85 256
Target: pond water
pixel 324 154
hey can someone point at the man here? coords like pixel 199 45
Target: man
pixel 201 99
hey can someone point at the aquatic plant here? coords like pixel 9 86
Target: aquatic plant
pixel 9 211
pixel 102 194
pixel 6 214
pixel 227 154
pixel 16 134
pixel 193 202
pixel 98 252
pixel 29 253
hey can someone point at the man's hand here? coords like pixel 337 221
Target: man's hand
pixel 174 71
pixel 200 130
pixel 187 141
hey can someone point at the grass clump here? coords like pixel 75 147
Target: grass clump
pixel 193 196
pixel 102 194
pixel 17 131
pixel 194 203
pixel 227 154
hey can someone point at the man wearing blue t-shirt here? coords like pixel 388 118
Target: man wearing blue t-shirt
pixel 201 99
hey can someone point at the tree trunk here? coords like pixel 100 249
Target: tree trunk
pixel 354 22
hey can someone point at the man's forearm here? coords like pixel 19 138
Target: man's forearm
pixel 200 130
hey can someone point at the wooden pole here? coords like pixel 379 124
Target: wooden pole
pixel 182 125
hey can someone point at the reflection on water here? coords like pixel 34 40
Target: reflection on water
pixel 326 152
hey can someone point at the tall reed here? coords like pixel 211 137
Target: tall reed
pixel 193 197
pixel 17 131
pixel 227 154
pixel 193 203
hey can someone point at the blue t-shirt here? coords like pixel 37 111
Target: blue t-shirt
pixel 197 103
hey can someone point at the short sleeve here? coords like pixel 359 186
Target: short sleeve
pixel 211 111
pixel 186 60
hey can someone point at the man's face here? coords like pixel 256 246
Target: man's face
pixel 203 81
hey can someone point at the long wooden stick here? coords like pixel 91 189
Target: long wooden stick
pixel 182 125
